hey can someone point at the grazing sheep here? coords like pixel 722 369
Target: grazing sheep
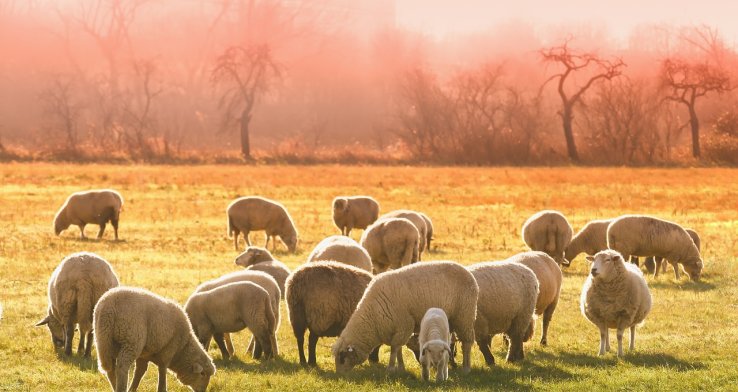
pixel 417 220
pixel 591 239
pixel 508 292
pixel 343 250
pixel 640 235
pixel 654 264
pixel 137 325
pixel 231 308
pixel 321 297
pixel 391 243
pixel 549 277
pixel 97 207
pixel 354 212
pixel 434 339
pixel 428 230
pixel 548 231
pixel 75 286
pixel 259 259
pixel 615 295
pixel 394 305
pixel 247 214
pixel 262 279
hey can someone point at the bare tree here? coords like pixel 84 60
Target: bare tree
pixel 138 111
pixel 574 63
pixel 246 74
pixel 64 109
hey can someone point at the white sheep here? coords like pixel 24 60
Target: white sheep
pixel 247 214
pixel 591 239
pixel 231 308
pixel 354 212
pixel 417 220
pixel 394 305
pixel 75 286
pixel 391 243
pixel 343 250
pixel 321 297
pixel 615 295
pixel 135 325
pixel 428 230
pixel 260 259
pixel 434 339
pixel 657 264
pixel 549 277
pixel 96 207
pixel 548 231
pixel 640 235
pixel 508 292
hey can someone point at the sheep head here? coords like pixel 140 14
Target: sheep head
pixel 56 329
pixel 253 255
pixel 340 205
pixel 347 355
pixel 434 353
pixel 606 264
pixel 693 268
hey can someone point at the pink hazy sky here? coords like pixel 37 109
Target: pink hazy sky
pixel 439 17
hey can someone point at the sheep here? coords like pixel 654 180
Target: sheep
pixel 548 231
pixel 321 297
pixel 75 286
pixel 391 243
pixel 253 213
pixel 428 229
pixel 354 212
pixel 133 324
pixel 641 235
pixel 508 292
pixel 260 259
pixel 231 308
pixel 394 304
pixel 264 280
pixel 417 220
pixel 343 250
pixel 96 207
pixel 654 264
pixel 434 339
pixel 591 239
pixel 549 277
pixel 615 295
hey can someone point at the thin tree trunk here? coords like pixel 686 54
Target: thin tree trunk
pixel 245 143
pixel 567 117
pixel 694 123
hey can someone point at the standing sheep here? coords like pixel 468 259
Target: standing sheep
pixel 394 305
pixel 657 263
pixel 549 285
pixel 434 339
pixel 508 292
pixel 321 297
pixel 640 235
pixel 74 288
pixel 137 325
pixel 591 239
pixel 343 250
pixel 417 220
pixel 391 243
pixel 354 212
pixel 260 259
pixel 615 295
pixel 254 213
pixel 548 231
pixel 231 308
pixel 428 230
pixel 97 207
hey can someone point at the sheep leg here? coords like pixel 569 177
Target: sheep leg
pixel 122 364
pixel 659 262
pixel 632 338
pixel 603 340
pixel 141 366
pixel 266 243
pixel 101 231
pixel 374 355
pixel 607 340
pixel 235 239
pixel 162 386
pixel 258 348
pixel 300 336
pixel 246 237
pixel 620 341
pixel 425 371
pixel 229 344
pixel 547 316
pixel 677 274
pixel 400 360
pixel 484 344
pixel 348 231
pixel 114 223
pixel 466 347
pixel 650 264
pixel 393 357
pixel 441 371
pixel 515 351
pixel 88 349
pixel 81 345
pixel 312 343
pixel 68 337
pixel 219 340
pixel 82 232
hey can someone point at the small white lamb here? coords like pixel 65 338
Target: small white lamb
pixel 434 341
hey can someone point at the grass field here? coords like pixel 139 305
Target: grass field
pixel 174 236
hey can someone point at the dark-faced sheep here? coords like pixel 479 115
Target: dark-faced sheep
pixel 97 207
pixel 354 212
pixel 255 213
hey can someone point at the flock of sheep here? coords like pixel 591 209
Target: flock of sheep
pixel 368 293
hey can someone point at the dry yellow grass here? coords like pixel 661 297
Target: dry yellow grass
pixel 174 236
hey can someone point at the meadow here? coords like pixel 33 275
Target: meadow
pixel 173 236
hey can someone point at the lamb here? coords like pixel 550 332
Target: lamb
pixel 260 278
pixel 96 207
pixel 508 292
pixel 343 250
pixel 391 243
pixel 231 308
pixel 260 259
pixel 354 212
pixel 75 286
pixel 434 339
pixel 640 235
pixel 591 239
pixel 615 295
pixel 394 304
pixel 654 264
pixel 549 277
pixel 321 297
pixel 248 214
pixel 429 230
pixel 548 231
pixel 417 220
pixel 137 325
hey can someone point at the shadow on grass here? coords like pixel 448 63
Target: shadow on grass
pixel 681 285
pixel 647 360
pixel 82 363
pixel 278 365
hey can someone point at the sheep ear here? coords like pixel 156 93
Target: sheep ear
pixel 197 368
pixel 590 258
pixel 616 257
pixel 43 322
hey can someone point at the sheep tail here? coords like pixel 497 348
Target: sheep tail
pixel 85 308
pixel 410 255
pixel 551 234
